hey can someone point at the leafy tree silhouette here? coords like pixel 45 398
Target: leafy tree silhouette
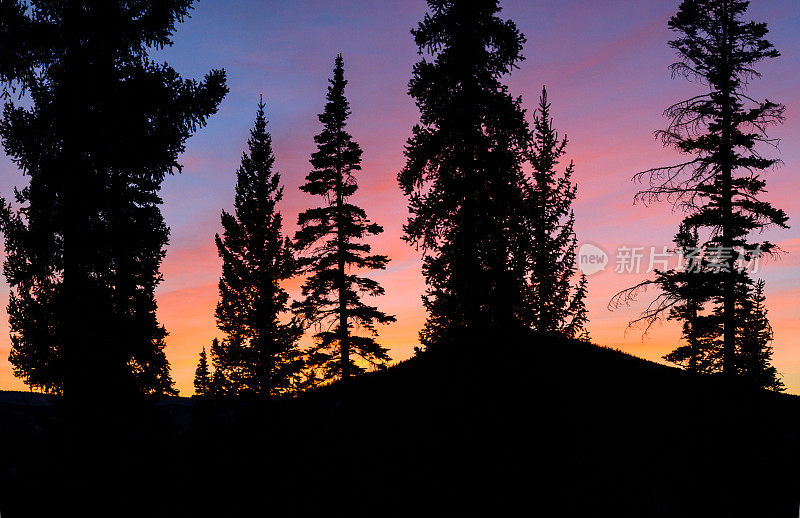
pixel 86 239
pixel 720 184
pixel 332 236
pixel 260 356
pixel 463 174
pixel 556 306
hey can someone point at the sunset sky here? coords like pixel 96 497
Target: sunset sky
pixel 605 64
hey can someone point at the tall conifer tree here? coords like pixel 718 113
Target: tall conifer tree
pixel 202 375
pixel 720 185
pixel 556 302
pixel 262 356
pixel 221 378
pixel 463 173
pixel 755 342
pixel 689 292
pixel 333 237
pixel 86 238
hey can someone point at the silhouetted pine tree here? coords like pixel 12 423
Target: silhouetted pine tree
pixel 332 235
pixel 221 385
pixel 463 173
pixel 578 314
pixel 721 129
pixel 685 294
pixel 690 291
pixel 86 241
pixel 556 305
pixel 256 257
pixel 202 376
pixel 755 349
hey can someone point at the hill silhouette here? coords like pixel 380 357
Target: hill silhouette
pixel 542 427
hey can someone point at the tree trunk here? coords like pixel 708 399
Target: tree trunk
pixel 344 341
pixel 726 169
pixel 693 342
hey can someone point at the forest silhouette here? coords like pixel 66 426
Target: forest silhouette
pixel 507 407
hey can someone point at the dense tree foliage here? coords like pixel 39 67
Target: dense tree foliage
pixel 463 172
pixel 85 238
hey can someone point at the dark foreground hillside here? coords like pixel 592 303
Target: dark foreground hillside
pixel 537 429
